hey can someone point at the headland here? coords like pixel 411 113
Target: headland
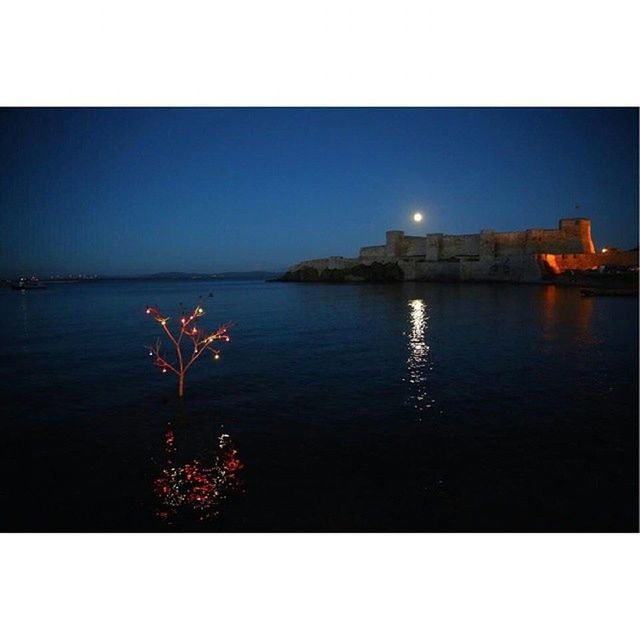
pixel 530 256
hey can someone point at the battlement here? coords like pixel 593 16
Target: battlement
pixel 573 236
pixel 488 256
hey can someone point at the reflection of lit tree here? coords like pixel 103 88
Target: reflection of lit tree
pixel 189 331
pixel 196 488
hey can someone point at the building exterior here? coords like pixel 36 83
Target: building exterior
pixel 488 256
pixel 572 236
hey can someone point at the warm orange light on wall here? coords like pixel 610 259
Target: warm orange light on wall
pixel 551 262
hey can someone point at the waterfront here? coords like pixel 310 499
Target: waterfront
pixel 409 407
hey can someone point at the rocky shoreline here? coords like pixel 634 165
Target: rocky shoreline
pixel 376 272
pixel 624 282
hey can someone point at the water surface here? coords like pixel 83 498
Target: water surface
pixel 414 407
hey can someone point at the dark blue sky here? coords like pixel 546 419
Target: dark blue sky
pixel 117 191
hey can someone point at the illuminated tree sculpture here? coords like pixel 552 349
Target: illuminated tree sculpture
pixel 191 334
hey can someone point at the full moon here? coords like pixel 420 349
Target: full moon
pixel 417 217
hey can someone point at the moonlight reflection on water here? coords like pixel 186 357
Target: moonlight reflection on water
pixel 419 362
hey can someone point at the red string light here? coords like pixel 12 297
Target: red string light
pixel 201 342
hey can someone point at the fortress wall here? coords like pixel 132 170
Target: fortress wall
pixel 523 268
pixel 552 241
pixel 395 243
pixel 510 243
pixel 436 271
pixel 415 246
pixel 398 245
pixel 487 249
pixel 409 269
pixel 572 236
pixel 433 242
pixel 519 256
pixel 544 240
pixel 516 268
pixel 558 263
pixel 577 234
pixel 378 251
pixel 465 245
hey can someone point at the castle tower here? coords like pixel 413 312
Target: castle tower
pixel 487 250
pixel 395 243
pixel 433 246
pixel 577 235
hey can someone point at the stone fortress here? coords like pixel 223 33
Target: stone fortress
pixel 488 256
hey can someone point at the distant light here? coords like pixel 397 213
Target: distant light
pixel 604 250
pixel 417 217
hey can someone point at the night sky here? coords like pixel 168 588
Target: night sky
pixel 134 191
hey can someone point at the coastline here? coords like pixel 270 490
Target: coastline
pixel 391 273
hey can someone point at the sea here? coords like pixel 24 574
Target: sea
pixel 415 407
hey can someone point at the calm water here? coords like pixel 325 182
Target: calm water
pixel 415 407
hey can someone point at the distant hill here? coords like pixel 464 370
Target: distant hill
pixel 177 275
pixel 250 274
pixel 165 275
pixel 180 275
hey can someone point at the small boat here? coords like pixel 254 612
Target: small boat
pixel 588 293
pixel 27 284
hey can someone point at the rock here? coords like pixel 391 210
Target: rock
pixel 375 272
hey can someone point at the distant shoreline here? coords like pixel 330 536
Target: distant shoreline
pixel 230 275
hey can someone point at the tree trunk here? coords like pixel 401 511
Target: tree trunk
pixel 181 386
